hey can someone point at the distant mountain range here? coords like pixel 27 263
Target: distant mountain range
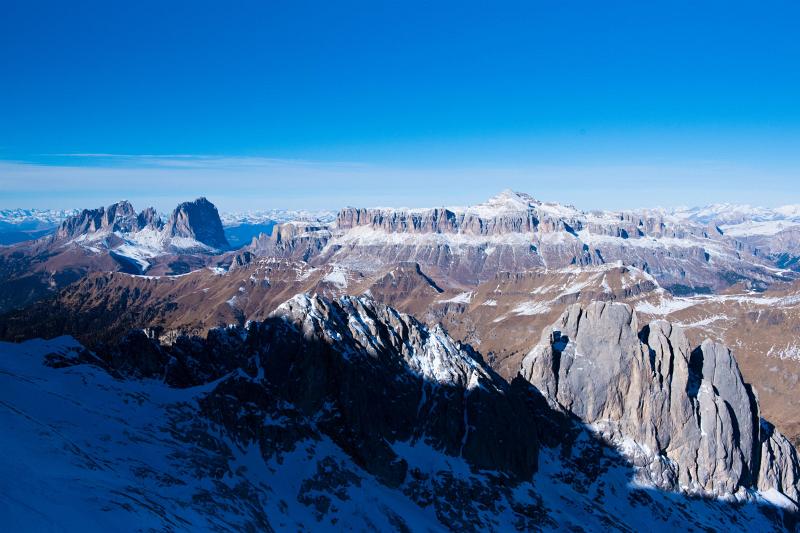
pixel 742 219
pixel 687 251
pixel 18 225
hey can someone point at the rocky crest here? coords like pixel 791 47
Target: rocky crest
pixel 513 232
pixel 116 217
pixel 685 417
pixel 442 393
pixel 195 222
pixel 198 220
pixel 110 239
pixel 149 218
pixel 382 331
pixel 296 240
pixel 340 361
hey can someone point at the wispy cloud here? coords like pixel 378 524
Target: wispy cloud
pixel 270 182
pixel 193 161
pixel 236 182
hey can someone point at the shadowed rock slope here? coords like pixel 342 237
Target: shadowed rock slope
pixel 330 414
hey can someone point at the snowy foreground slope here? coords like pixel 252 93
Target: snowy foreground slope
pixel 332 415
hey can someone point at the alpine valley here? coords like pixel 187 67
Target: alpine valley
pixel 515 365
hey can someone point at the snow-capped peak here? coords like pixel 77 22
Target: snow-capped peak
pixel 511 200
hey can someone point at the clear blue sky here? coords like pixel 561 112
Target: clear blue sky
pixel 322 104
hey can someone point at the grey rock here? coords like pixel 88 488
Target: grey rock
pixel 513 232
pixel 149 218
pixel 685 418
pixel 116 217
pixel 780 468
pixel 198 220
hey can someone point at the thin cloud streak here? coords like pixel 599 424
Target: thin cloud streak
pixel 246 182
pixel 199 161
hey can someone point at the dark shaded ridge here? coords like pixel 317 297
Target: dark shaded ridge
pixel 695 372
pixel 361 402
pixel 365 402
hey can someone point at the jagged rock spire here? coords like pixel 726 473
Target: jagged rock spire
pixel 198 220
pixel 685 417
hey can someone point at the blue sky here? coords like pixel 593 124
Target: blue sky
pixel 319 105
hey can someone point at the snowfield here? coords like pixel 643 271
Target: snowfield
pixel 83 451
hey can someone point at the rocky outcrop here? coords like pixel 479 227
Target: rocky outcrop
pixel 368 375
pixel 360 354
pixel 119 217
pixel 149 218
pixel 685 417
pixel 199 221
pixel 296 240
pixel 780 468
pixel 116 217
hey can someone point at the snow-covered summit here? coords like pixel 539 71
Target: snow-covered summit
pixel 39 217
pixel 725 213
pixel 509 202
pixel 280 216
pixel 743 220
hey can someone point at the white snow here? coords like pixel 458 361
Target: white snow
pixel 778 499
pixel 82 451
pixel 369 236
pixel 140 255
pixel 768 227
pixel 337 276
pixel 236 218
pixel 531 308
pixel 665 306
pixel 790 351
pixel 707 321
pixel 462 298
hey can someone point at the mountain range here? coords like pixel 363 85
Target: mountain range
pixel 512 365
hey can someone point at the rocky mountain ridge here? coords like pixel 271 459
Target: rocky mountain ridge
pixel 688 251
pixel 515 232
pixel 345 412
pixel 191 225
pixel 488 280
pixel 108 239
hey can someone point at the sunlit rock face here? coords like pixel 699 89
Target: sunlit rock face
pixel 685 417
pixel 513 232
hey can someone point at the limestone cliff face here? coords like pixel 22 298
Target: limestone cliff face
pixel 295 240
pixel 116 217
pixel 685 417
pixel 149 218
pixel 513 232
pixel 197 220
